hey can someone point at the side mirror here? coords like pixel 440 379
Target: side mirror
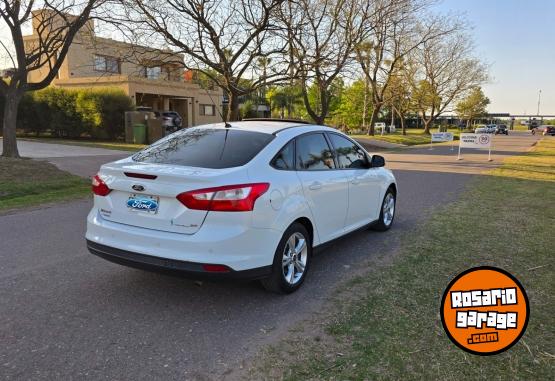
pixel 377 161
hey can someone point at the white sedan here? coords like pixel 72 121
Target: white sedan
pixel 247 200
pixel 483 129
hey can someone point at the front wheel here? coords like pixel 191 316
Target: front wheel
pixel 387 213
pixel 291 261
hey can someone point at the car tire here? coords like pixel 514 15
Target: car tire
pixel 287 280
pixel 387 212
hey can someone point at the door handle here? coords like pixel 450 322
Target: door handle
pixel 315 185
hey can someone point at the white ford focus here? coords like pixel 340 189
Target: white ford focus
pixel 249 200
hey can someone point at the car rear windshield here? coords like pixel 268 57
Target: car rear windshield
pixel 206 148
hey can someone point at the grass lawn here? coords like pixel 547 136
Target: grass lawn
pixel 386 324
pixel 413 137
pixel 92 143
pixel 26 182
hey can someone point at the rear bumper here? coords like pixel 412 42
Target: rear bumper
pixel 238 246
pixel 191 269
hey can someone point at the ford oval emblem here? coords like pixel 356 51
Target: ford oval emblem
pixel 142 204
pixel 138 188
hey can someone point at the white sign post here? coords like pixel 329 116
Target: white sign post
pixel 475 141
pixel 380 125
pixel 441 137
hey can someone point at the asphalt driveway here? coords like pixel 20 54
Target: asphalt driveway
pixel 79 160
pixel 65 314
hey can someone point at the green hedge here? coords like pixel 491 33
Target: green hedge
pixel 98 113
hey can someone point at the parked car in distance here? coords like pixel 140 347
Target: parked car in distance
pixel 171 120
pixel 548 130
pixel 480 129
pixel 247 201
pixel 501 129
pixel 491 128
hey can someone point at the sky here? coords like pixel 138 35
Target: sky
pixel 517 39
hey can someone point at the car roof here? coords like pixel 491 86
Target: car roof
pixel 265 126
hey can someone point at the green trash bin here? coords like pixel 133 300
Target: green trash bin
pixel 139 133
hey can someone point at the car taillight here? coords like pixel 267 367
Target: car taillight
pixel 99 187
pixel 230 198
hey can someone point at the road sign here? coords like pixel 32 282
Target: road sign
pixel 475 141
pixel 442 136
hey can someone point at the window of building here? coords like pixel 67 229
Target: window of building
pixel 106 64
pixel 207 110
pixel 154 72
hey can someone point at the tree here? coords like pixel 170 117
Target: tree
pixel 285 99
pixel 321 35
pixel 394 29
pixel 472 106
pixel 225 40
pixel 448 72
pixel 351 109
pixel 399 95
pixel 56 24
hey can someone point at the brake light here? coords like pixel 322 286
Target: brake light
pixel 230 198
pixel 140 175
pixel 99 187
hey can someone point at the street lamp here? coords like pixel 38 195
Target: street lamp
pixel 539 101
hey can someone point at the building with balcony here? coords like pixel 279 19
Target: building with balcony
pixel 153 78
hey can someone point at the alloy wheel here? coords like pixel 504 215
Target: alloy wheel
pixel 388 209
pixel 295 255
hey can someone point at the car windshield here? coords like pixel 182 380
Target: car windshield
pixel 206 148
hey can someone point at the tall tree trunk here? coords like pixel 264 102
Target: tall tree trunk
pixel 427 123
pixel 365 110
pixel 317 115
pixel 402 121
pixel 232 113
pixel 373 118
pixel 392 117
pixel 9 142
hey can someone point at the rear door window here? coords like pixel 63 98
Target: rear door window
pixel 206 148
pixel 313 153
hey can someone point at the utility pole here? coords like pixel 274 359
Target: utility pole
pixel 539 101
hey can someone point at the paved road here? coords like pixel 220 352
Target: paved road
pixel 65 314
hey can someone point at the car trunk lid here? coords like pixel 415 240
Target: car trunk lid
pixel 144 194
